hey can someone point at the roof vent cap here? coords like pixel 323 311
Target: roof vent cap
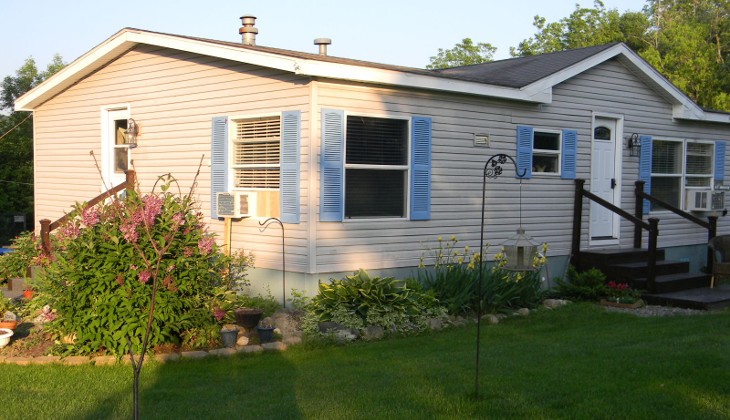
pixel 248 31
pixel 323 43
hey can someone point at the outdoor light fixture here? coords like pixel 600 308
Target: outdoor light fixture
pixel 634 145
pixel 131 133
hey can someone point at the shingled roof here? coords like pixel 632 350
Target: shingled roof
pixel 522 71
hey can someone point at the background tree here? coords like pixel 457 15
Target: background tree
pixel 462 54
pixel 16 147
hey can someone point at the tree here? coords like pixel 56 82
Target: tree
pixel 16 146
pixel 462 54
pixel 687 41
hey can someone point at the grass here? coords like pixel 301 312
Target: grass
pixel 576 362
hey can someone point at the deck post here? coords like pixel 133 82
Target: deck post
pixel 46 236
pixel 711 233
pixel 129 182
pixel 577 222
pixel 638 211
pixel 651 266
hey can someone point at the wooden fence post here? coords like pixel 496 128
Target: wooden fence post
pixel 577 221
pixel 45 236
pixel 638 211
pixel 651 268
pixel 711 233
pixel 130 180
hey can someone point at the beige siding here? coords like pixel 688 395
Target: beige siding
pixel 173 96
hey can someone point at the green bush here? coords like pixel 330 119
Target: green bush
pixel 589 285
pixel 26 252
pixel 359 301
pixel 454 280
pixel 106 266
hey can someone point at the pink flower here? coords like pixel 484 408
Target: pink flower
pixel 205 245
pixel 178 218
pixel 129 231
pixel 152 208
pixel 170 268
pixel 119 280
pixel 218 313
pixel 132 267
pixel 188 252
pixel 90 216
pixel 143 276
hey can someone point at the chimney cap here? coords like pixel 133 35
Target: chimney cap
pixel 322 41
pixel 248 30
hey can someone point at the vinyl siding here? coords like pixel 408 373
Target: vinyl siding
pixel 173 96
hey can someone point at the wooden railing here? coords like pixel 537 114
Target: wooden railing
pixel 710 224
pixel 47 227
pixel 652 226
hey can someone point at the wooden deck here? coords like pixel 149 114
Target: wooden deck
pixel 699 298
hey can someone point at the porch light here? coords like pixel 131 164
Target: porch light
pixel 131 133
pixel 634 145
pixel 519 251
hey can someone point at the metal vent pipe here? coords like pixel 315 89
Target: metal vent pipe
pixel 248 31
pixel 323 43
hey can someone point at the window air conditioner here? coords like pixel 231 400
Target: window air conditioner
pixel 705 200
pixel 236 204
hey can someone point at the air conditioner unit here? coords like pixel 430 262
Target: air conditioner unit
pixel 236 204
pixel 705 200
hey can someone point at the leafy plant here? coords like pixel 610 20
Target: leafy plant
pixel 622 293
pixel 26 252
pixel 589 285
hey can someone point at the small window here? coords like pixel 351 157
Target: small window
pixel 256 151
pixel 602 133
pixel 376 167
pixel 121 150
pixel 546 152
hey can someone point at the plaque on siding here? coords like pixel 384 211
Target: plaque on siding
pixel 226 204
pixel 481 140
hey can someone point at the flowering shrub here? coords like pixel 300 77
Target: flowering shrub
pixel 26 252
pixel 106 266
pixel 453 278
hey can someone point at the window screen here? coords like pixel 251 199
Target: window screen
pixel 256 151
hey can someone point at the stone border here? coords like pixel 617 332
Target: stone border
pixel 160 357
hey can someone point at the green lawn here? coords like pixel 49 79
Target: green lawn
pixel 575 362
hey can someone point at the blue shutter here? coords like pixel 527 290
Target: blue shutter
pixel 331 161
pixel 289 183
pixel 569 154
pixel 420 168
pixel 524 150
pixel 645 167
pixel 719 160
pixel 218 161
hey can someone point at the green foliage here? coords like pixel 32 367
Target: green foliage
pixel 358 301
pixel 106 269
pixel 26 252
pixel 462 54
pixel 298 299
pixel 454 280
pixel 589 285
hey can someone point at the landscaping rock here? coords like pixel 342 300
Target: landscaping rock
pixel 373 332
pixel 554 303
pixel 491 319
pixel 194 354
pixel 292 340
pixel 252 349
pixel 458 321
pixel 434 324
pixel 167 357
pixel 276 345
pixel 344 336
pixel 222 352
pixel 104 360
pixel 328 326
pixel 18 360
pixel 242 340
pixel 522 312
pixel 45 360
pixel 288 321
pixel 267 322
pixel 76 360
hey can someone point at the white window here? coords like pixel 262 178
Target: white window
pixel 678 164
pixel 546 152
pixel 376 167
pixel 256 153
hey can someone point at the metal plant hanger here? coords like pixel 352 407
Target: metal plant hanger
pixel 492 169
pixel 265 225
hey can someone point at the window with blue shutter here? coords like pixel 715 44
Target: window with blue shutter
pixel 719 161
pixel 524 150
pixel 421 168
pixel 569 154
pixel 645 167
pixel 331 165
pixel 218 161
pixel 289 163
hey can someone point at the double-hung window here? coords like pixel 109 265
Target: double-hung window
pixel 256 150
pixel 550 152
pixel 376 167
pixel 546 152
pixel 679 164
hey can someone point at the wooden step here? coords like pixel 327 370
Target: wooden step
pixel 633 270
pixel 697 298
pixel 599 258
pixel 669 283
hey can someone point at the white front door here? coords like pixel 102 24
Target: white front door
pixel 604 183
pixel 115 154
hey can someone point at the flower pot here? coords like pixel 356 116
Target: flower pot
pixel 10 325
pixel 247 317
pixel 266 334
pixel 229 337
pixel 5 335
pixel 27 294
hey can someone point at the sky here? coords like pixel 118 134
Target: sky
pixel 400 32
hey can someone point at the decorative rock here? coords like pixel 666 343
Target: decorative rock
pixel 344 336
pixel 373 332
pixel 328 326
pixel 554 303
pixel 267 322
pixel 434 324
pixel 292 340
pixel 491 319
pixel 288 321
pixel 104 360
pixel 166 357
pixel 45 360
pixel 18 360
pixel 222 352
pixel 242 340
pixel 523 312
pixel 252 349
pixel 276 345
pixel 76 360
pixel 194 354
pixel 9 316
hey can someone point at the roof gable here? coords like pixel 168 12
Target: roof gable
pixel 524 79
